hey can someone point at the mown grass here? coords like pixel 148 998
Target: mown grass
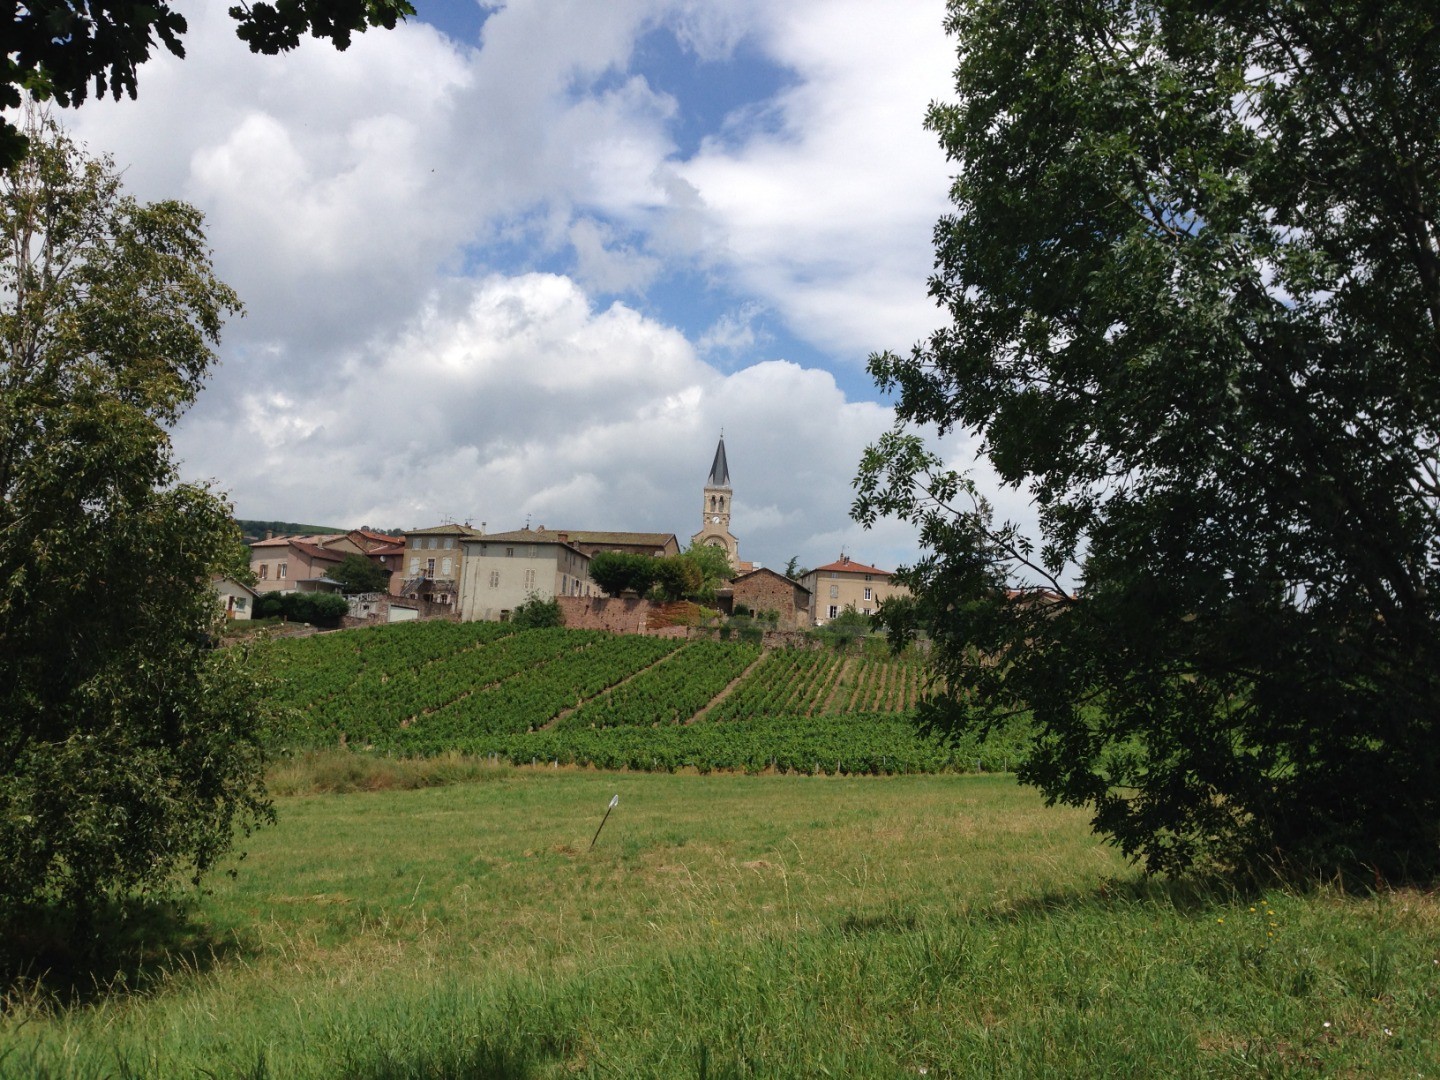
pixel 741 926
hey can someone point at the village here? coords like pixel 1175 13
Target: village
pixel 460 572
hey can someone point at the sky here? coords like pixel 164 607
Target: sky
pixel 525 262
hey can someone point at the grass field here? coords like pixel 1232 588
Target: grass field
pixel 737 926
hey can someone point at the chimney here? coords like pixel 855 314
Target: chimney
pixel 269 534
pixel 564 538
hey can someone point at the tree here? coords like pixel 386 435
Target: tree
pixel 357 574
pixel 620 571
pixel 713 565
pixel 793 570
pixel 677 577
pixel 58 48
pixel 131 746
pixel 538 614
pixel 1193 285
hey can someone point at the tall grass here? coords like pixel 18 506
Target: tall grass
pixel 742 926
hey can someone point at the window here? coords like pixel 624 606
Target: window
pixel 834 592
pixel 415 564
pixel 869 577
pixel 429 568
pixel 529 580
pixel 834 611
pixel 445 572
pixel 867 611
pixel 509 553
pixel 494 579
pixel 868 596
pixel 449 543
pixel 281 569
pixel 833 574
pixel 432 543
pixel 239 603
pixel 264 571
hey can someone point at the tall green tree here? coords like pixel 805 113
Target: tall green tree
pixel 1192 278
pixel 619 571
pixel 357 574
pixel 130 747
pixel 60 48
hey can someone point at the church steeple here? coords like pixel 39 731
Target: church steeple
pixel 720 469
pixel 715 507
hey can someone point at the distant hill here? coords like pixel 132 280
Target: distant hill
pixel 254 530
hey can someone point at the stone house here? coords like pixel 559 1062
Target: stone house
pixel 766 590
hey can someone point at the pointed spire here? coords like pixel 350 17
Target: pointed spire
pixel 720 470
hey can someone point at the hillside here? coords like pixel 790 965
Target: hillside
pixel 591 698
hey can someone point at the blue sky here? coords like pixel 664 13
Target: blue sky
pixel 527 259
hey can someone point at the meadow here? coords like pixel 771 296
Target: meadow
pixel 775 925
pixel 794 883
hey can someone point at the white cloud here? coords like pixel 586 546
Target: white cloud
pixel 380 210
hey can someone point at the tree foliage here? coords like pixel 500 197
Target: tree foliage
pixel 1193 284
pixel 713 563
pixel 538 614
pixel 60 48
pixel 130 747
pixel 620 571
pixel 357 574
pixel 316 608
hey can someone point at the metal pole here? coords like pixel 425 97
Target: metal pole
pixel 614 802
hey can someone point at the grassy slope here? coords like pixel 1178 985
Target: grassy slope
pixel 745 926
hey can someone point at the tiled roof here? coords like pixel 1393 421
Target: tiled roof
pixel 577 536
pixel 773 573
pixel 446 530
pixel 849 566
pixel 581 536
pixel 315 551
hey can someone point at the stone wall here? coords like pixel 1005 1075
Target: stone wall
pixel 620 615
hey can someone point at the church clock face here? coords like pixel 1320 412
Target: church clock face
pixel 714 519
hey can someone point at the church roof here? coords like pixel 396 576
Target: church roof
pixel 720 470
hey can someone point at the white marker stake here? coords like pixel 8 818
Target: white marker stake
pixel 614 802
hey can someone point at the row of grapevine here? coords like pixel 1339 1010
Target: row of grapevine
pixel 670 692
pixel 375 706
pixel 310 670
pixel 858 744
pixel 611 701
pixel 787 681
pixel 538 694
pixel 820 682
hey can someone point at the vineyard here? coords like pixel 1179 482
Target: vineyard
pixel 590 698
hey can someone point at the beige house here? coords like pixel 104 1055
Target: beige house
pixel 298 563
pixel 846 583
pixel 504 570
pixel 432 562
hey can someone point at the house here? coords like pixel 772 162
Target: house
pixel 298 563
pixel 765 590
pixel 633 543
pixel 847 583
pixel 432 562
pixel 236 599
pixel 504 570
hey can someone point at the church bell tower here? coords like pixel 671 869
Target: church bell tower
pixel 715 508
